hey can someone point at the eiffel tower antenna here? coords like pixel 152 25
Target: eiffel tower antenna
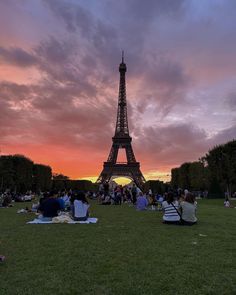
pixel 121 140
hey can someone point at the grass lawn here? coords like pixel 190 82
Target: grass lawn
pixel 126 252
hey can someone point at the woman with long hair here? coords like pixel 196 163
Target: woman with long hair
pixel 80 207
pixel 188 210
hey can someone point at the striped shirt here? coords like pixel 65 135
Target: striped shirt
pixel 170 213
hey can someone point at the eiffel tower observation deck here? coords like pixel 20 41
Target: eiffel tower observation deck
pixel 122 140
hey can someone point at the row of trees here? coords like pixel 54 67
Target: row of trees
pixel 61 182
pixel 215 172
pixel 156 186
pixel 21 174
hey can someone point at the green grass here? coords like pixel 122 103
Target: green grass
pixel 126 252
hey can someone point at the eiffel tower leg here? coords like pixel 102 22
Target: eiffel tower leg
pixel 105 175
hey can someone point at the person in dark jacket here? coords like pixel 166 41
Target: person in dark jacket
pixel 49 206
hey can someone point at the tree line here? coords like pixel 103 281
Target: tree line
pixel 215 172
pixel 20 174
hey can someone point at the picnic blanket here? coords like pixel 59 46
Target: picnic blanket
pixel 63 219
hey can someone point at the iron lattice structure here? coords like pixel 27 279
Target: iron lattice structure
pixel 122 140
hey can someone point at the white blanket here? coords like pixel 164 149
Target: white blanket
pixel 38 221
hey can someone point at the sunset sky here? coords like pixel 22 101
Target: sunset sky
pixel 59 80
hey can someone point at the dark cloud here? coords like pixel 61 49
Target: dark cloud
pixel 101 38
pixel 55 51
pixel 74 16
pixel 62 64
pixel 148 10
pixel 172 144
pixel 169 47
pixel 165 72
pixel 50 116
pixel 231 100
pixel 17 57
pixel 164 84
pixel 224 135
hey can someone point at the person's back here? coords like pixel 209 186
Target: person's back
pixel 49 205
pixel 188 210
pixel 227 203
pixel 61 203
pixel 141 203
pixel 66 199
pixel 6 201
pixel 170 209
pixel 80 210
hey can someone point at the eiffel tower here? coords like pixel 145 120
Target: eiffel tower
pixel 122 139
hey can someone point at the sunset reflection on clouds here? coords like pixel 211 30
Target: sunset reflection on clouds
pixel 59 80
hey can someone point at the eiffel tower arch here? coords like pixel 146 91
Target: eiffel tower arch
pixel 122 140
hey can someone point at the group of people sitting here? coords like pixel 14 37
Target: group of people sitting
pixel 117 195
pixel 179 208
pixel 7 198
pixel 52 203
pixel 175 211
pixel 180 212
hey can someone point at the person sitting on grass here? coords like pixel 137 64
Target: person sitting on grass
pixel 227 203
pixel 142 202
pixel 159 200
pixel 49 206
pixel 152 201
pixel 80 207
pixel 66 198
pixel 107 200
pixel 61 203
pixel 170 209
pixel 7 201
pixel 188 210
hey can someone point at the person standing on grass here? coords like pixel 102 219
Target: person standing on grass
pixel 134 194
pixel 106 188
pixel 188 210
pixel 170 210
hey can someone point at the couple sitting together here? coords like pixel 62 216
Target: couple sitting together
pixel 183 213
pixel 50 206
